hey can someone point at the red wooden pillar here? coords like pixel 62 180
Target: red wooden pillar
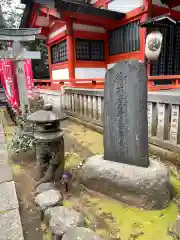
pixel 71 52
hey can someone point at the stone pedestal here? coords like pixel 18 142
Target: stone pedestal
pixel 125 114
pixel 125 172
pixel 147 188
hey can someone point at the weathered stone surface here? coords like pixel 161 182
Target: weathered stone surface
pixel 51 212
pixel 125 114
pixel 48 199
pixel 8 198
pixel 10 226
pixel 142 187
pixel 65 219
pixel 45 187
pixel 5 173
pixel 80 233
pixel 2 138
pixel 3 155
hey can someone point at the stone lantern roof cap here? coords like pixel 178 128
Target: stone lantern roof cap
pixel 47 115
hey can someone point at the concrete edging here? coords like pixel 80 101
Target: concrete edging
pixel 10 221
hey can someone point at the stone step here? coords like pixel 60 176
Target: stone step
pixel 8 197
pixel 81 233
pixel 48 199
pixel 10 225
pixel 62 219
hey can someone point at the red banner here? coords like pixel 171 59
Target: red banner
pixel 9 82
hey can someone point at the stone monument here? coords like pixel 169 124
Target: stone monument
pixel 49 146
pixel 125 172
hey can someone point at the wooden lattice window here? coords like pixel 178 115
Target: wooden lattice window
pixel 124 39
pixel 89 50
pixel 168 62
pixel 59 52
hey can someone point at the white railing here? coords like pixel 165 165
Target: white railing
pixel 86 106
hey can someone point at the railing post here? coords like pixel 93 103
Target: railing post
pixel 152 118
pixel 175 124
pixel 85 105
pixel 163 121
pixel 89 107
pixel 94 108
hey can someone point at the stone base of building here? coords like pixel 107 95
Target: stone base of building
pixel 147 188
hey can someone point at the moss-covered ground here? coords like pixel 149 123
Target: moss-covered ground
pixel 108 217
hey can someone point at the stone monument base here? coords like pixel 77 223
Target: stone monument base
pixel 147 188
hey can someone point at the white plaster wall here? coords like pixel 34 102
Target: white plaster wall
pixel 55 33
pixel 124 6
pixel 60 74
pixel 89 73
pixel 93 1
pixel 88 28
pixel 110 65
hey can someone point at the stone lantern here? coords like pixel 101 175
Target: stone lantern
pixel 50 144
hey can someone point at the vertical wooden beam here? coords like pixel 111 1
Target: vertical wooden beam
pixel 50 62
pixel 106 49
pixel 71 51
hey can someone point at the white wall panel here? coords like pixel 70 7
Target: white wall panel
pixel 88 28
pixel 124 6
pixel 60 74
pixel 89 73
pixel 55 33
pixel 110 65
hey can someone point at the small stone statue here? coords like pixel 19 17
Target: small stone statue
pixel 50 145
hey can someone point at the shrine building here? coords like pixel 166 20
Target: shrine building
pixel 86 37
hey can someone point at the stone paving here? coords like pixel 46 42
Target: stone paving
pixel 10 222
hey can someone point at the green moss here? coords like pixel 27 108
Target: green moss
pixel 72 160
pixel 67 203
pixel 133 223
pixel 176 184
pixel 47 236
pixel 16 168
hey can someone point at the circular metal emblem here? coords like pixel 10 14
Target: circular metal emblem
pixel 154 44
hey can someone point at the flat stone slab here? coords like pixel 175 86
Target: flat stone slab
pixel 65 219
pixel 48 199
pixel 8 197
pixel 80 233
pixel 10 226
pixel 6 174
pixel 2 138
pixel 147 188
pixel 45 187
pixel 51 212
pixel 3 155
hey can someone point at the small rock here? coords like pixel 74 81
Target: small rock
pixel 44 187
pixel 48 199
pixel 65 219
pixel 50 212
pixel 177 226
pixel 80 233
